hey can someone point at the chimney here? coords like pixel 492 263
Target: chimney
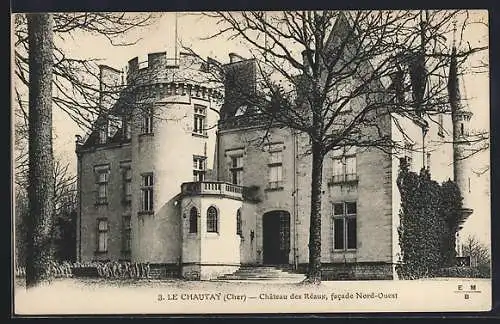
pixel 233 57
pixel 305 60
pixel 110 81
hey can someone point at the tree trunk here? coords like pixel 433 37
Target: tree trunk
pixel 314 274
pixel 40 174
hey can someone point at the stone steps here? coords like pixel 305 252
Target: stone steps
pixel 255 273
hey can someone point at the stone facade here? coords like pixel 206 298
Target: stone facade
pixel 252 203
pixel 158 141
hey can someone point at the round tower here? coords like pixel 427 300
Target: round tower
pixel 461 117
pixel 461 127
pixel 173 111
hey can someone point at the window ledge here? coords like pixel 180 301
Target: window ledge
pixel 344 250
pixel 145 212
pixel 146 134
pixel 342 182
pixel 100 252
pixel 199 135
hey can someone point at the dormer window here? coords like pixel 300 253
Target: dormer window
pixel 103 135
pixel 127 134
pixel 114 124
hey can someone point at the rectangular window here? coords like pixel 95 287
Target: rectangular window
pixel 147 121
pixel 275 170
pixel 102 186
pixel 344 168
pixel 338 236
pixel 114 124
pixel 127 184
pixel 276 157
pixel 126 235
pixel 200 114
pixel 127 132
pixel 408 153
pixel 351 232
pixel 102 235
pixel 338 209
pixel 350 168
pixel 147 192
pixel 199 168
pixel 236 169
pixel 338 170
pixel 344 226
pixel 103 134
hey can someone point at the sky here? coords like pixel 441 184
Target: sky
pixel 192 27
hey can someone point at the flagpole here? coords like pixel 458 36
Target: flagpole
pixel 175 40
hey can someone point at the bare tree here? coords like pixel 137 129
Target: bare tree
pixel 52 79
pixel 41 186
pixel 340 78
pixel 76 80
pixel 64 202
pixel 478 252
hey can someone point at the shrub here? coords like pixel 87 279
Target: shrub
pixel 113 269
pixel 460 272
pixel 429 218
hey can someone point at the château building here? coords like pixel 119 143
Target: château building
pixel 177 177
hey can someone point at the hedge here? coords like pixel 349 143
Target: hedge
pixel 116 270
pixel 429 217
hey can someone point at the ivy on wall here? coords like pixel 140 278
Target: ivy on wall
pixel 429 221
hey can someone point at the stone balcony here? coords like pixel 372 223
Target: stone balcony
pixel 217 188
pixel 244 121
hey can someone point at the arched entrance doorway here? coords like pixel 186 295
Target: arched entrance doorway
pixel 276 237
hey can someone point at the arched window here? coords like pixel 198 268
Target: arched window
pixel 193 220
pixel 238 222
pixel 212 220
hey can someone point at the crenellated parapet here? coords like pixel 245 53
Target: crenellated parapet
pixel 186 75
pixel 156 91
